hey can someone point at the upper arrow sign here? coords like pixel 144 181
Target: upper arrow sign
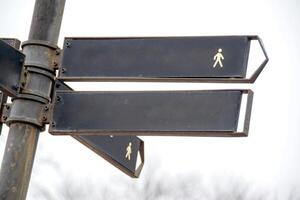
pixel 11 63
pixel 203 59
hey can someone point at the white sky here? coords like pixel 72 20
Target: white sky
pixel 268 158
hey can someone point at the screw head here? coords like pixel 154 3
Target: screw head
pixel 57 51
pixel 68 44
pixel 55 63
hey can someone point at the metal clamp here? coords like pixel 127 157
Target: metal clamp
pixel 33 112
pixel 45 56
pixel 5 112
pixel 28 81
pixel 3 99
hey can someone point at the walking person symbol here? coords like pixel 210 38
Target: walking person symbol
pixel 218 58
pixel 128 151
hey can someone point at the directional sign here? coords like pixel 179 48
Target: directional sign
pixel 120 151
pixel 208 59
pixel 11 63
pixel 3 99
pixel 186 113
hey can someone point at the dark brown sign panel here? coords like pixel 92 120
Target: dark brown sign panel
pixel 120 151
pixel 185 113
pixel 11 63
pixel 210 59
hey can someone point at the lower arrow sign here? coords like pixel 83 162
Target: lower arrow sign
pixel 121 151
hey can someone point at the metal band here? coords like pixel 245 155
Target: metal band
pixel 33 112
pixel 31 97
pixel 40 71
pixel 41 56
pixel 39 43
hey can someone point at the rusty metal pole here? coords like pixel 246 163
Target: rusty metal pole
pixel 27 118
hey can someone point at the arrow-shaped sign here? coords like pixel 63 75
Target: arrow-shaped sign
pixel 121 151
pixel 201 59
pixel 185 113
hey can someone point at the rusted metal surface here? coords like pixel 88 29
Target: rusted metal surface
pixel 12 42
pixel 178 113
pixel 177 59
pixel 11 64
pixel 37 87
pixel 17 162
pixel 3 99
pixel 112 148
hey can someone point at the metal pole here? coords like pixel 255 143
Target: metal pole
pixel 25 119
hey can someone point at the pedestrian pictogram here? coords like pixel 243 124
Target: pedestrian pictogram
pixel 128 151
pixel 218 58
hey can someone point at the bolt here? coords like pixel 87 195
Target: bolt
pixel 63 70
pixel 53 124
pixel 14 189
pixel 46 108
pixel 4 118
pixel 15 87
pixel 57 51
pixel 55 64
pixel 44 118
pixel 58 98
pixel 68 44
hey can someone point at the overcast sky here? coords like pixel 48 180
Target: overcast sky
pixel 268 159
